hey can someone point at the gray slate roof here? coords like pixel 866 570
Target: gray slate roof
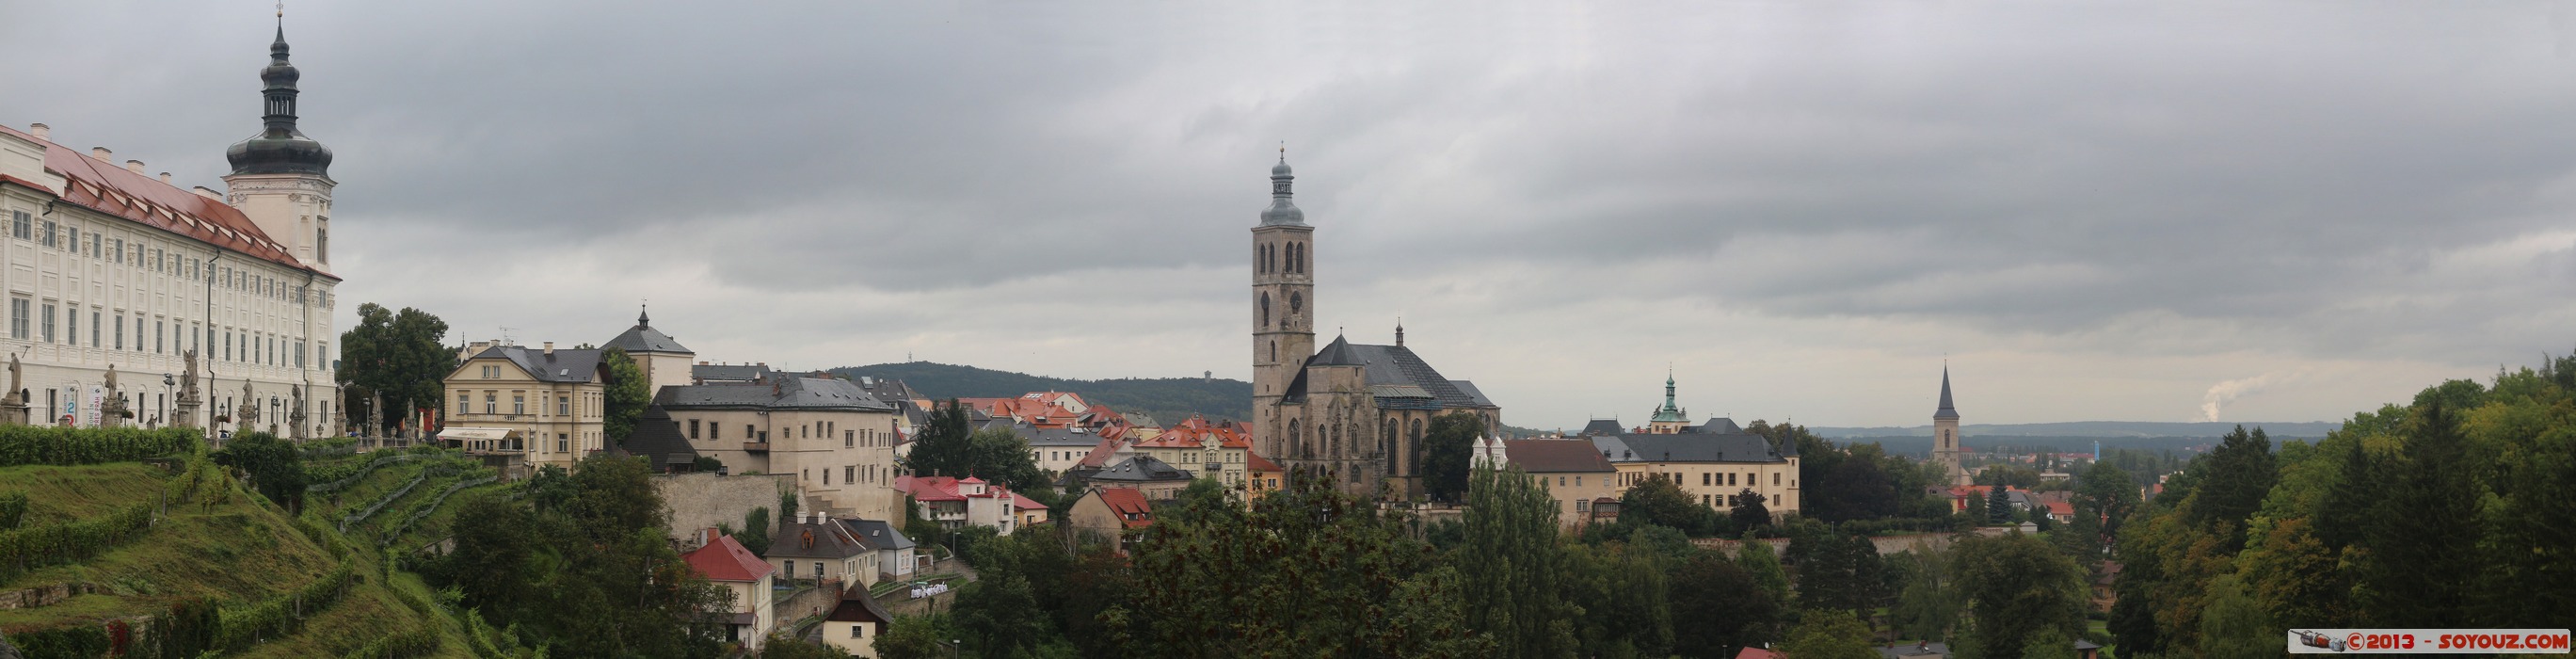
pixel 1716 425
pixel 831 541
pixel 729 372
pixel 657 437
pixel 1686 447
pixel 1390 370
pixel 565 365
pixel 877 533
pixel 1051 436
pixel 785 393
pixel 1140 469
pixel 643 338
pixel 1602 427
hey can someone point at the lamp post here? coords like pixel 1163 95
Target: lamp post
pixel 954 647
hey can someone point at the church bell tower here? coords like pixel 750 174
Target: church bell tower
pixel 1945 435
pixel 281 179
pixel 1283 300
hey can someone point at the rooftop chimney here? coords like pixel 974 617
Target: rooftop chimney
pixel 550 348
pixel 165 177
pixel 101 153
pixel 804 517
pixel 135 166
pixel 209 193
pixel 41 131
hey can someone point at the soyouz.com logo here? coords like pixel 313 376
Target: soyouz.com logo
pixel 2427 641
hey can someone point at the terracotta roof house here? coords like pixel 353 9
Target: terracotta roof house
pixel 732 566
pixel 1105 515
pixel 956 503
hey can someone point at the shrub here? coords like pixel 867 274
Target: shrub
pixel 413 642
pixel 284 614
pixel 65 542
pixel 81 641
pixel 49 445
pixel 13 509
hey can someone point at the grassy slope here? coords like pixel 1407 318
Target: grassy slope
pixel 231 545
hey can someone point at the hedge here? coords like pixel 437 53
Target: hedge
pixel 340 477
pixel 390 497
pixel 418 641
pixel 83 641
pixel 432 506
pixel 65 542
pixel 282 615
pixel 13 509
pixel 51 445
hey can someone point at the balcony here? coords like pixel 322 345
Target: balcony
pixel 756 447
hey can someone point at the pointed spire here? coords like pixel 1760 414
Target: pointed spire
pixel 1946 413
pixel 644 316
pixel 1399 331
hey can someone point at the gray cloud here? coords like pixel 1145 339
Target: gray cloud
pixel 1828 197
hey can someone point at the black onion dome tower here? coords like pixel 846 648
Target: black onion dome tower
pixel 279 148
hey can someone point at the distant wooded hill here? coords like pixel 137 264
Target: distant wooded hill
pixel 1168 400
pixel 2102 429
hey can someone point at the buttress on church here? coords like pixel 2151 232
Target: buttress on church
pixel 1354 413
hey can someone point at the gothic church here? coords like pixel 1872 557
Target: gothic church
pixel 1353 413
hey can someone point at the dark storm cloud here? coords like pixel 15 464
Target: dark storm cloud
pixel 2317 182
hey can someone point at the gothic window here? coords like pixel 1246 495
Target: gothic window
pixel 1274 351
pixel 1333 441
pixel 1265 310
pixel 1386 447
pixel 1296 303
pixel 1295 439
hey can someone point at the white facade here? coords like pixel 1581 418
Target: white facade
pixel 104 265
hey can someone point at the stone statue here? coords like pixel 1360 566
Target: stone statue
pixel 375 413
pixel 187 400
pixel 249 413
pixel 13 407
pixel 111 412
pixel 295 414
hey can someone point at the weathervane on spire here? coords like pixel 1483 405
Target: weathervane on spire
pixel 1283 144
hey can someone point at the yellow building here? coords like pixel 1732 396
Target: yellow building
pixel 1714 462
pixel 837 439
pixel 1573 472
pixel 555 399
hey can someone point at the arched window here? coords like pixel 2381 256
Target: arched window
pixel 1265 310
pixel 1295 439
pixel 1296 303
pixel 1274 351
pixel 1386 447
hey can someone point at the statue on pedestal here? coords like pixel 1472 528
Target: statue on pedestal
pixel 243 420
pixel 111 409
pixel 375 413
pixel 13 408
pixel 295 414
pixel 187 402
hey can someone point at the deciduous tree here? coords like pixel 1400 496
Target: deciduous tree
pixel 627 394
pixel 1510 564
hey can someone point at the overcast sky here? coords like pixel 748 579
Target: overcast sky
pixel 2096 211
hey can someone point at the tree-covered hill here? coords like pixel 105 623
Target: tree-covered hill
pixel 1168 399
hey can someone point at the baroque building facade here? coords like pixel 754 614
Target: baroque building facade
pixel 1351 413
pixel 112 270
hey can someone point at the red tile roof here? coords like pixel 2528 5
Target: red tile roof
pixel 106 188
pixel 1129 505
pixel 1099 455
pixel 1555 455
pixel 727 560
pixel 1756 653
pixel 1024 503
pixel 1254 462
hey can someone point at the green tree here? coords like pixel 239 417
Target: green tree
pixel 1305 571
pixel 2052 643
pixel 1447 450
pixel 1510 563
pixel 1977 510
pixel 2017 586
pixel 397 354
pixel 2104 497
pixel 628 393
pixel 1749 513
pixel 1999 508
pixel 1623 596
pixel 1659 502
pixel 1829 634
pixel 2239 473
pixel 1726 610
pixel 943 447
pixel 2423 537
pixel 1928 605
pixel 2234 625
pixel 1757 559
pixel 1003 456
pixel 755 531
pixel 275 465
pixel 913 637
